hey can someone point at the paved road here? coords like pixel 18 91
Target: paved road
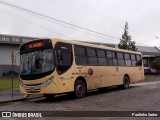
pixel 143 96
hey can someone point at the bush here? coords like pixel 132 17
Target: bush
pixel 156 64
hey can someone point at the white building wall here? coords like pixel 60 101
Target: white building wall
pixel 5 58
pixel 5 54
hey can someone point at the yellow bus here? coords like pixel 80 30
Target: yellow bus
pixel 55 66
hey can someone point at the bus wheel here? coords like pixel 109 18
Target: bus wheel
pixel 126 82
pixel 79 89
pixel 49 96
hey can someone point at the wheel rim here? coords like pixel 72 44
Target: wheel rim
pixel 80 90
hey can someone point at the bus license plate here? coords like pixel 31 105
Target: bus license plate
pixel 32 89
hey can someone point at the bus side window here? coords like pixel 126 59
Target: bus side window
pixel 80 55
pixel 64 57
pixel 120 57
pixel 91 56
pixel 101 57
pixel 133 58
pixel 114 55
pixel 139 60
pixel 109 58
pixel 127 59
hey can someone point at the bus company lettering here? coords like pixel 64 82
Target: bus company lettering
pixel 82 73
pixel 36 45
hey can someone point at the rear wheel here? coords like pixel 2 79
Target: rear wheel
pixel 126 82
pixel 79 89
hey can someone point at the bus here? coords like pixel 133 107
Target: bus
pixel 55 66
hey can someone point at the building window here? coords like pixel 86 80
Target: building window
pixel 145 62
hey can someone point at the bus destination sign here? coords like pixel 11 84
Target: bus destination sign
pixel 35 45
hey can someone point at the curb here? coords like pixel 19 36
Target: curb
pixel 13 100
pixel 19 99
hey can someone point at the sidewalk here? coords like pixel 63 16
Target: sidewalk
pixel 6 95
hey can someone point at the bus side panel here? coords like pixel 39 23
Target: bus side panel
pixel 106 75
pixel 130 71
pixel 120 72
pixel 138 74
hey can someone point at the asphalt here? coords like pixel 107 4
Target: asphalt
pixel 6 95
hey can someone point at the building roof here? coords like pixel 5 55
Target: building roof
pixel 12 39
pixel 148 49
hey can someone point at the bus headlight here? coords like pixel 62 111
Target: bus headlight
pixel 50 80
pixel 21 83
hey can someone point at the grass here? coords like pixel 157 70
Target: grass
pixel 6 82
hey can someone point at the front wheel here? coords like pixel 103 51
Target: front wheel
pixel 79 89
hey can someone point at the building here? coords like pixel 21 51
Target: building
pixel 9 43
pixel 149 54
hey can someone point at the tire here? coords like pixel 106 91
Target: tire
pixel 126 82
pixel 49 96
pixel 79 89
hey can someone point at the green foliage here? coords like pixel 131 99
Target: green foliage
pixel 156 64
pixel 7 83
pixel 125 42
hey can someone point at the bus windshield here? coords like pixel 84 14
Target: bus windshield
pixel 37 62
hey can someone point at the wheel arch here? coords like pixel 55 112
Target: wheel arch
pixel 127 76
pixel 83 79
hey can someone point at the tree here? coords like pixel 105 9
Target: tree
pixel 125 42
pixel 156 64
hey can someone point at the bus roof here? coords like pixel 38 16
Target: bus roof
pixel 94 45
pixel 87 45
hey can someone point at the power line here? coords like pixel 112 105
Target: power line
pixel 42 27
pixel 50 18
pixel 45 16
pixel 86 11
pixel 29 22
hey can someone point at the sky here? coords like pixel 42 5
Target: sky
pixel 106 17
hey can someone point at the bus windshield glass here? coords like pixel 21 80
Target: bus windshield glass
pixel 37 62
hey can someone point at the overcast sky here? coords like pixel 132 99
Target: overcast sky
pixel 104 16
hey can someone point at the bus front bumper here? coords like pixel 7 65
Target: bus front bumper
pixel 52 88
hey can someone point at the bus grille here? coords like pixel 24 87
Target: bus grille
pixel 32 90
